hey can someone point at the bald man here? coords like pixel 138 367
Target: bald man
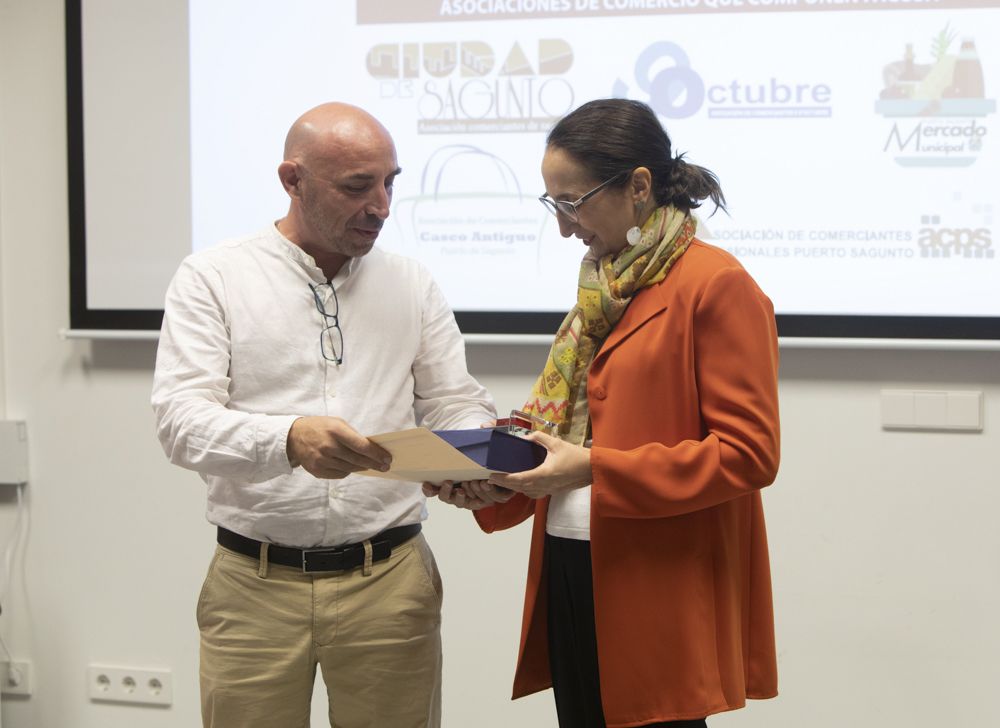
pixel 279 353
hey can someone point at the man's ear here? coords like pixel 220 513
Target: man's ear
pixel 641 184
pixel 288 173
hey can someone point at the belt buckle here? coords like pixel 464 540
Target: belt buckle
pixel 381 550
pixel 306 553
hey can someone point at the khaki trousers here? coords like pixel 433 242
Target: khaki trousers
pixel 376 638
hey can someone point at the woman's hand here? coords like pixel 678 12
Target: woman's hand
pixel 566 467
pixel 471 495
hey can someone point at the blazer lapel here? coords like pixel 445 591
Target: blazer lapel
pixel 648 304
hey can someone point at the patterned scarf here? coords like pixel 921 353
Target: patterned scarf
pixel 605 289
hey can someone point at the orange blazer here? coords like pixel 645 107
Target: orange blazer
pixel 684 411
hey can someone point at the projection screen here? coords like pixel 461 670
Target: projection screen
pixel 853 140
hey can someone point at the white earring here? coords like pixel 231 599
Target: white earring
pixel 634 234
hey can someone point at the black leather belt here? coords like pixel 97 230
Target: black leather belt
pixel 340 558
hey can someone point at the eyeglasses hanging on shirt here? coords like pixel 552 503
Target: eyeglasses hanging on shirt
pixel 331 338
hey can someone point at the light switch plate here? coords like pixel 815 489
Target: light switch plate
pixel 930 409
pixel 897 408
pixel 909 409
pixel 965 411
pixel 13 451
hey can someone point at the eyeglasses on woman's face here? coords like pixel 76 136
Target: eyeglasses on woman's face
pixel 569 209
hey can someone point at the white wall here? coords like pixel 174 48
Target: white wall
pixel 884 545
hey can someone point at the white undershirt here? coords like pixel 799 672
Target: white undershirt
pixel 569 513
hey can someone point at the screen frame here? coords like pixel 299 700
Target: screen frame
pixel 515 323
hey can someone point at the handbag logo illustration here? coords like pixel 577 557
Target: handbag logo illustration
pixel 471 209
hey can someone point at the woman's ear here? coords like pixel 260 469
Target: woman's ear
pixel 641 185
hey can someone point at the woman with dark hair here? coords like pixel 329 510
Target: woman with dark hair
pixel 649 597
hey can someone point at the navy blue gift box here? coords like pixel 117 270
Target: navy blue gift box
pixel 494 449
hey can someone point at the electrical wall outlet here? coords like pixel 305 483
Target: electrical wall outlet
pixel 15 678
pixel 143 685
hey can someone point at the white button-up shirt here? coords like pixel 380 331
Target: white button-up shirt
pixel 239 360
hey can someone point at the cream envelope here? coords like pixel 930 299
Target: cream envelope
pixel 420 455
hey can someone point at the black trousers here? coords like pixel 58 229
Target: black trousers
pixel 573 638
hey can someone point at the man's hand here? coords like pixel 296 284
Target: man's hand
pixel 328 447
pixel 566 467
pixel 471 495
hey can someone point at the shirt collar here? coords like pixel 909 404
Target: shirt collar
pixel 303 258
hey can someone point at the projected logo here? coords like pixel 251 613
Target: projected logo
pixel 945 98
pixel 663 72
pixel 470 207
pixel 675 90
pixel 937 239
pixel 459 88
